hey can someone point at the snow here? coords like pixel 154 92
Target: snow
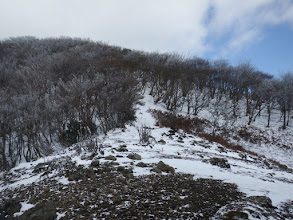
pixel 24 181
pixel 63 180
pixel 24 207
pixel 60 215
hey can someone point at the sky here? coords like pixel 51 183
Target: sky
pixel 258 31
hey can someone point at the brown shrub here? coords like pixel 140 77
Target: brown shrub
pixel 176 122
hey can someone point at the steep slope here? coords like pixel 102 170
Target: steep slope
pixel 168 174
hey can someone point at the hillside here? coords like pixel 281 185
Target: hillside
pixel 91 131
pixel 175 174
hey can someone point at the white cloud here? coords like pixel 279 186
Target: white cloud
pixel 240 24
pixel 185 26
pixel 163 25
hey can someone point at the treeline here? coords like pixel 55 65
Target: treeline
pixel 56 92
pixel 197 84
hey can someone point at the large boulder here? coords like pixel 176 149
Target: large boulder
pixel 253 207
pixel 9 208
pixel 134 156
pixel 43 211
pixel 141 164
pixel 162 167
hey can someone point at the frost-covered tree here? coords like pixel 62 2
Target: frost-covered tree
pixel 285 97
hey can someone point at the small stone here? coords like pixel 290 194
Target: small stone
pixel 156 170
pixel 116 199
pixel 283 167
pixel 122 148
pixel 95 163
pixel 110 157
pixel 46 189
pixel 120 168
pixel 220 162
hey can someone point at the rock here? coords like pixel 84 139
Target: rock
pixel 120 168
pixel 141 164
pixel 122 148
pixel 282 167
pixel 162 167
pixel 134 156
pixel 110 157
pixel 162 141
pixel 46 189
pixel 116 199
pixel 40 167
pixel 165 167
pixel 267 164
pixel 236 214
pixel 73 176
pixel 261 200
pixel 156 170
pixel 253 207
pixel 9 208
pixel 89 173
pixel 180 140
pixel 95 163
pixel 43 211
pixel 172 132
pixel 127 171
pixel 220 162
pixel 93 189
pixel 128 175
pixel 243 156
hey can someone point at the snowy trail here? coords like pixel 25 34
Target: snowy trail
pixel 250 175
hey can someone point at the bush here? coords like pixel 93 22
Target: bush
pixel 144 134
pixel 77 131
pixel 176 122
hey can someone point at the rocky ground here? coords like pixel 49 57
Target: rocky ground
pixel 110 191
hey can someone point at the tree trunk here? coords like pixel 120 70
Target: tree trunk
pixel 284 118
pixel 269 115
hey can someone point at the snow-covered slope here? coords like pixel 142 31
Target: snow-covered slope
pixel 187 153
